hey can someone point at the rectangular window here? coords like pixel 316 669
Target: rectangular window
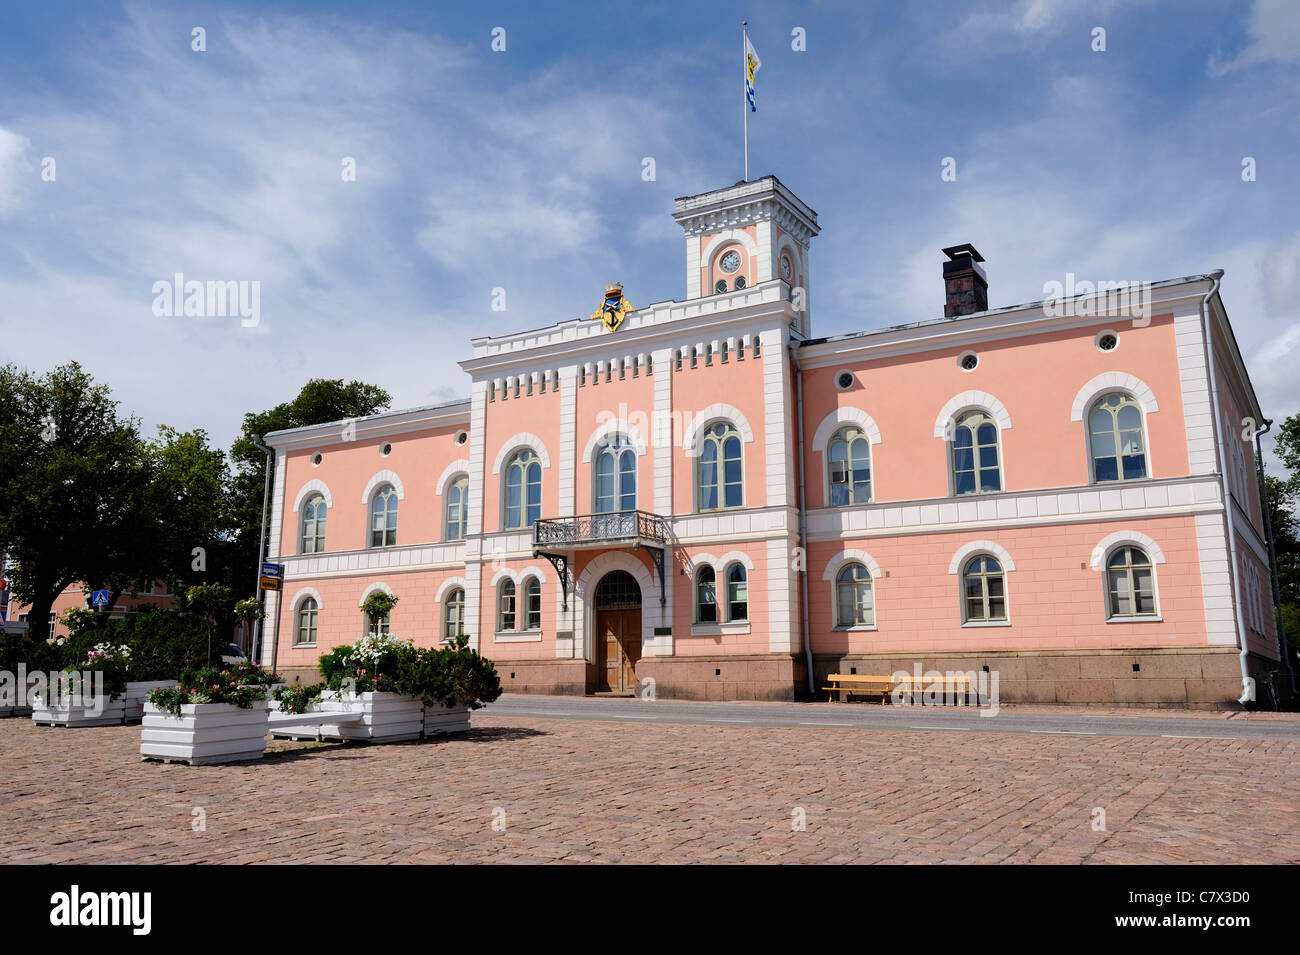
pixel 533 612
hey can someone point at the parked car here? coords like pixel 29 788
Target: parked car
pixel 232 654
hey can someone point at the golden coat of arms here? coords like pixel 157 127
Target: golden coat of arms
pixel 614 308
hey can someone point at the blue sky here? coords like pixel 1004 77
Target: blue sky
pixel 522 170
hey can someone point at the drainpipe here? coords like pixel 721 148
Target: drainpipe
pixel 1247 690
pixel 1272 555
pixel 803 517
pixel 261 549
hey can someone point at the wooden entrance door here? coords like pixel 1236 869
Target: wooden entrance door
pixel 620 648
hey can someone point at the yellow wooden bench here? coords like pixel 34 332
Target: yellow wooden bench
pixel 846 684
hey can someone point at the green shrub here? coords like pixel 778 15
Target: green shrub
pixel 372 664
pixel 296 699
pixel 163 644
pixel 239 686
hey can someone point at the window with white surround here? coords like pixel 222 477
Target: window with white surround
pixel 383 517
pixel 532 610
pixel 523 490
pixel 614 480
pixel 506 606
pixel 976 464
pixel 855 599
pixel 737 592
pixel 1116 439
pixel 984 590
pixel 313 525
pixel 453 614
pixel 706 596
pixel 1130 583
pixel 456 508
pixel 305 632
pixel 849 460
pixel 720 469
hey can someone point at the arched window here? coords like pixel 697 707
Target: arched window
pixel 457 506
pixel 855 599
pixel 1130 581
pixel 984 587
pixel 849 458
pixel 706 596
pixel 615 479
pixel 737 592
pixel 532 604
pixel 720 286
pixel 1117 442
pixel 383 517
pixel 975 465
pixel 720 472
pixel 506 606
pixel 523 490
pixel 453 614
pixel 305 632
pixel 313 525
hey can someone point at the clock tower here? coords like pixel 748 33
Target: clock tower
pixel 745 235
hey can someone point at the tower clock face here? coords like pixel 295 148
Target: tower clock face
pixel 786 270
pixel 730 262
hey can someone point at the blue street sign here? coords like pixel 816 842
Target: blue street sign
pixel 99 598
pixel 273 570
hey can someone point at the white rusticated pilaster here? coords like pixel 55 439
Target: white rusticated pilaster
pixel 1216 579
pixel 1193 380
pixel 782 601
pixel 692 266
pixel 661 431
pixel 474 603
pixel 763 260
pixel 477 475
pixel 776 418
pixel 568 450
pixel 275 524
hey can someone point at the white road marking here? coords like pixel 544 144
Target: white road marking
pixel 819 723
pixel 728 721
pixel 1064 732
pixel 917 726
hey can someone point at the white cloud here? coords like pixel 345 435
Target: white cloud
pixel 1274 28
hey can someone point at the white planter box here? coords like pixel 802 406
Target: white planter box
pixel 385 717
pixel 136 693
pixel 204 733
pixel 62 711
pixel 445 719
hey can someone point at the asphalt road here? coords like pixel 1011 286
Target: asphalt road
pixel 869 716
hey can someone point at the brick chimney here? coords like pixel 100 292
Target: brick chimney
pixel 966 287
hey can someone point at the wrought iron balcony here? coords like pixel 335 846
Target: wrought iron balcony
pixel 601 530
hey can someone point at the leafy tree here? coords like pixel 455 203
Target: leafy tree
pixel 71 474
pixel 320 401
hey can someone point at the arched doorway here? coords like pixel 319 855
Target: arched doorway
pixel 618 632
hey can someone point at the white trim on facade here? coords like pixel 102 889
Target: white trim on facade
pixel 584 590
pixel 1114 381
pixel 377 587
pixel 302 594
pixel 459 466
pixel 315 484
pixel 843 417
pixel 608 429
pixel 836 563
pixel 383 477
pixel 979 547
pixel 701 422
pixel 966 401
pixel 1107 544
pixel 514 443
pixel 450 584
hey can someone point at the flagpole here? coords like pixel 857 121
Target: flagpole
pixel 744 86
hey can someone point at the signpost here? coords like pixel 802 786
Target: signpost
pixel 99 598
pixel 271 576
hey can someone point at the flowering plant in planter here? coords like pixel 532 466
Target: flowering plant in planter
pixel 450 676
pixel 372 664
pixel 240 686
pixel 296 699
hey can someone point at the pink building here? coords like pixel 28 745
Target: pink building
pixel 711 498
